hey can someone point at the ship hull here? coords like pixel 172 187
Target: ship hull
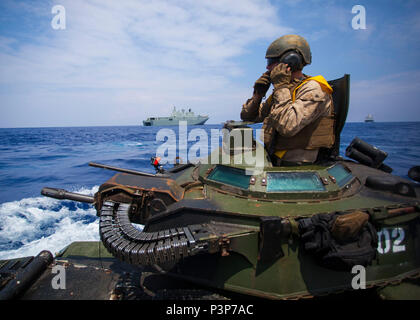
pixel 167 122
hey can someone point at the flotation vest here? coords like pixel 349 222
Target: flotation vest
pixel 317 134
pixel 325 86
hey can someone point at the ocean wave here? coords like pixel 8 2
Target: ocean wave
pixel 31 225
pixel 132 144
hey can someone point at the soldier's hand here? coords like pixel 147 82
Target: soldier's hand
pixel 281 76
pixel 262 84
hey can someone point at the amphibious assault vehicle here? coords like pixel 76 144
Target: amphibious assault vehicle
pixel 219 230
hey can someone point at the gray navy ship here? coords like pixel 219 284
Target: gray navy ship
pixel 176 116
pixel 369 118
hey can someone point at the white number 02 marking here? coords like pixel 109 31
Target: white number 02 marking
pixel 384 240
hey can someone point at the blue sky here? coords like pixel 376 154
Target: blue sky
pixel 118 62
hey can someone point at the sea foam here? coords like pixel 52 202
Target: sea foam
pixel 31 225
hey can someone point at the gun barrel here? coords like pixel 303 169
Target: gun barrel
pixel 63 194
pixel 139 173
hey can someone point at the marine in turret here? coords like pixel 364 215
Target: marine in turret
pixel 298 117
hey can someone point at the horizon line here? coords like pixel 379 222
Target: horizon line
pixel 137 125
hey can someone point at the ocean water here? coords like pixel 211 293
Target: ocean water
pixel 32 158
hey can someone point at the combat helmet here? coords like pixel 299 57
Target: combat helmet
pixel 290 42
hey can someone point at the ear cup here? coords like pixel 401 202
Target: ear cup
pixel 293 59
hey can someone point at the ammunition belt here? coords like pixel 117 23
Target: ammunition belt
pixel 131 245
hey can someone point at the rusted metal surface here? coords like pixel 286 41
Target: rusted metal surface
pixel 399 211
pixel 155 184
pixel 224 244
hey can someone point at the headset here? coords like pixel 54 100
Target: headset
pixel 292 58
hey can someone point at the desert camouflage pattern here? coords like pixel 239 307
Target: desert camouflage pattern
pixel 283 117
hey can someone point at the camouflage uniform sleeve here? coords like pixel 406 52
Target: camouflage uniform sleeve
pixel 289 117
pixel 255 110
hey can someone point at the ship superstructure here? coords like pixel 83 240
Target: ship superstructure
pixel 176 116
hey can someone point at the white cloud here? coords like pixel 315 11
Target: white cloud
pixel 143 56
